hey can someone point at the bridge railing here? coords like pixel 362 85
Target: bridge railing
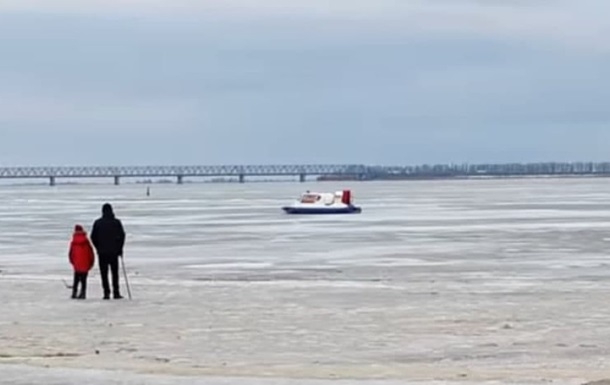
pixel 175 171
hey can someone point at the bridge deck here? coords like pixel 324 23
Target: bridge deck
pixel 175 171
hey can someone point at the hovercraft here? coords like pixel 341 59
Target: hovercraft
pixel 339 202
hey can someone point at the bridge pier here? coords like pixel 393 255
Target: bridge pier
pixel 242 178
pixel 52 181
pixel 302 178
pixel 117 180
pixel 180 179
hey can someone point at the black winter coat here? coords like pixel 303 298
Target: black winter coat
pixel 108 235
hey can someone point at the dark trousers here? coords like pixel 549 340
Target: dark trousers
pixel 109 262
pixel 80 278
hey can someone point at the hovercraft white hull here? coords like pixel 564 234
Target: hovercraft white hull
pixel 324 203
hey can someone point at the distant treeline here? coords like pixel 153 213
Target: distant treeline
pixel 445 171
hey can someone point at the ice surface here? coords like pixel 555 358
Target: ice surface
pixel 439 282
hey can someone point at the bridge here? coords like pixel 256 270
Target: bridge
pixel 324 171
pixel 180 172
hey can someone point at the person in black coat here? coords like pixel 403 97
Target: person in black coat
pixel 108 238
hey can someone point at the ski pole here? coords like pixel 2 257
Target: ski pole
pixel 125 274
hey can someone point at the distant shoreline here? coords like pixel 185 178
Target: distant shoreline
pixel 323 179
pixel 406 178
pixel 302 173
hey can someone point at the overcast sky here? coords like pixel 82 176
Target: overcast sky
pixel 303 81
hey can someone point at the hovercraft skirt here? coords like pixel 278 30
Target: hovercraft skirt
pixel 320 211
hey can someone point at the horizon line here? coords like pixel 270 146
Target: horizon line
pixel 309 164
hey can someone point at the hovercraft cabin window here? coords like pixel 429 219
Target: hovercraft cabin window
pixel 310 198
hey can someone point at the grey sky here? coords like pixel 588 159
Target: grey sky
pixel 314 81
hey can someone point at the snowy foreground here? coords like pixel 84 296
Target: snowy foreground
pixel 307 331
pixel 493 282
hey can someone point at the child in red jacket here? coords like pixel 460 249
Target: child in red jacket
pixel 82 259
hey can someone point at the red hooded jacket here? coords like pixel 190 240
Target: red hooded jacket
pixel 81 252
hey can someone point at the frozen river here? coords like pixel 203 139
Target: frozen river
pixel 435 282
